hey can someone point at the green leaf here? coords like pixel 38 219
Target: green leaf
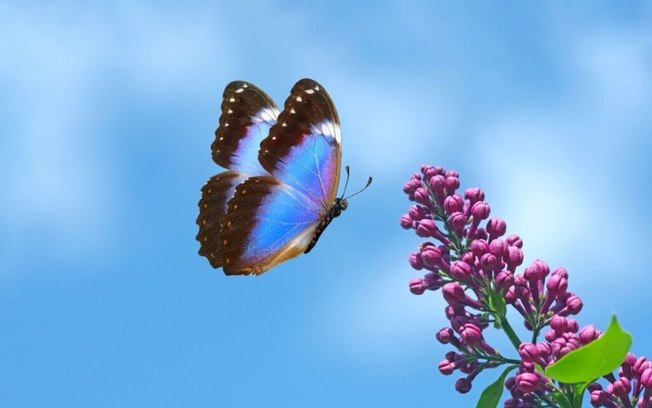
pixel 594 360
pixel 491 395
pixel 496 303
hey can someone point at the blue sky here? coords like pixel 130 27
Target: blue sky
pixel 107 113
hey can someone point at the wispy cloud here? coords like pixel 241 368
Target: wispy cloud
pixel 560 171
pixel 60 184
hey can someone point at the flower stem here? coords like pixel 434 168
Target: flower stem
pixel 513 337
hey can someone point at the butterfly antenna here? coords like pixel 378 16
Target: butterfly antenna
pixel 361 190
pixel 346 183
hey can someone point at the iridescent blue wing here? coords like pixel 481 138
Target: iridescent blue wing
pixel 247 115
pixel 266 223
pixel 274 218
pixel 303 149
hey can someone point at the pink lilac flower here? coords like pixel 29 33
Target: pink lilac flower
pixel 468 257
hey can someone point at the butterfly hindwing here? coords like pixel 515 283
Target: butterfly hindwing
pixel 266 223
pixel 216 194
pixel 247 115
pixel 303 148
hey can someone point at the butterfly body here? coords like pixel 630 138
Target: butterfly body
pixel 279 191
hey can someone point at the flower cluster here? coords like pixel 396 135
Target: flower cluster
pixel 468 256
pixel 633 387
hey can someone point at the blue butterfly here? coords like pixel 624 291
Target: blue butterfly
pixel 280 190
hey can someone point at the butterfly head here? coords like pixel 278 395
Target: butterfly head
pixel 339 205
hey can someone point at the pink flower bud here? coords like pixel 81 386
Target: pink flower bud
pixel 452 183
pixel 574 304
pixel 474 195
pixel 640 365
pixel 621 387
pixel 504 279
pixel 588 334
pixel 479 233
pixel 514 240
pixel 431 171
pixel 498 247
pixel 527 382
pixel 471 334
pixel 417 286
pixel 560 272
pixel 415 261
pixel 426 228
pixel 480 211
pixel 438 185
pixel 446 367
pixel 417 212
pixel 460 271
pixel 453 293
pixel 453 203
pixel 514 257
pixel 411 186
pixel 556 285
pixel 489 261
pixel 457 221
pixel 529 352
pixel 558 324
pixel 600 398
pixel 431 255
pixel 479 247
pixel 496 228
pixel 572 325
pixel 445 335
pixel 537 271
pixel 421 196
pixel 432 281
pixel 406 221
pixel 463 385
pixel 646 378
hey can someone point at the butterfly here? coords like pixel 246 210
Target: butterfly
pixel 279 191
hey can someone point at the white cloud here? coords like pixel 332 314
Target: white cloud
pixel 62 186
pixel 560 172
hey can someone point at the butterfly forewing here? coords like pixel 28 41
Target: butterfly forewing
pixel 303 147
pixel 247 116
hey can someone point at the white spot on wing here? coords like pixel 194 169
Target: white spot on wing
pixel 310 91
pixel 330 129
pixel 268 115
pixel 298 99
pixel 231 99
pixel 239 90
